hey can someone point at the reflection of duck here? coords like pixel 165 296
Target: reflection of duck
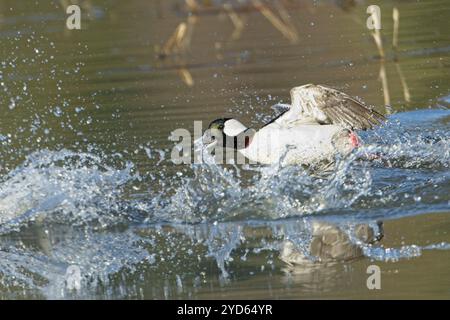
pixel 318 124
pixel 329 243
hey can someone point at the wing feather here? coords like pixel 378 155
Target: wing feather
pixel 330 106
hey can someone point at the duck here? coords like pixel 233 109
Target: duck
pixel 319 123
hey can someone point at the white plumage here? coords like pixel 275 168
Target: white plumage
pixel 298 144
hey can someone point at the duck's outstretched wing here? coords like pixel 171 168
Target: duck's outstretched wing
pixel 330 106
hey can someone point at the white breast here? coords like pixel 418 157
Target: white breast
pixel 301 144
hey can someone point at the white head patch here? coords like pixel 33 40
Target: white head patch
pixel 233 128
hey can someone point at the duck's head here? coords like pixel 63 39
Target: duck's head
pixel 227 132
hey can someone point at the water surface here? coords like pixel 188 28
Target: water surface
pixel 86 179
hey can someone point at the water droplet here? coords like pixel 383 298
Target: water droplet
pixel 12 104
pixel 57 112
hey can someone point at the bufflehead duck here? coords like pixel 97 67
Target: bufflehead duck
pixel 318 123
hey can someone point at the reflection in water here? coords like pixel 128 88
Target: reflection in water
pixel 237 21
pixel 319 267
pixel 396 18
pixel 376 34
pixel 86 179
pixel 329 243
pixel 284 25
pixel 180 41
pixel 316 278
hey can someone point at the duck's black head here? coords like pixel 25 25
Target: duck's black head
pixel 227 132
pixel 219 124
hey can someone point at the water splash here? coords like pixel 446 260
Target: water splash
pixel 203 212
pixel 64 186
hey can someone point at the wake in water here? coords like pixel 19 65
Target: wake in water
pixel 63 208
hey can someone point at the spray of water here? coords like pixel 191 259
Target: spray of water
pixel 203 212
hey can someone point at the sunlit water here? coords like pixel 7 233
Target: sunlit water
pixel 87 180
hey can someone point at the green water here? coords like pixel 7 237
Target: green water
pixel 104 89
